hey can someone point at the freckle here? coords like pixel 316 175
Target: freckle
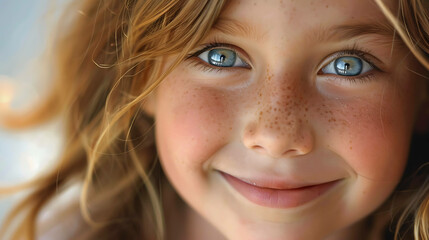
pixel 230 128
pixel 261 113
pixel 276 122
pixel 275 109
pixel 306 109
pixel 277 118
pixel 327 6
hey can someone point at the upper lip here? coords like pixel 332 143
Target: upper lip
pixel 275 183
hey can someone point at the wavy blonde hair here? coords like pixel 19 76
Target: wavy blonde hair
pixel 412 25
pixel 108 61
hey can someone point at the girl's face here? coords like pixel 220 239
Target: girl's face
pixel 292 119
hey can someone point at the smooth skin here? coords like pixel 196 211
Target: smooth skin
pixel 283 116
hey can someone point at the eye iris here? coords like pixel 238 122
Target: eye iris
pixel 348 66
pixel 222 57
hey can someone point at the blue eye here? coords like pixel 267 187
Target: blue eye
pixel 347 66
pixel 222 57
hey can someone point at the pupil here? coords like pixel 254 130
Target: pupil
pixel 346 66
pixel 222 58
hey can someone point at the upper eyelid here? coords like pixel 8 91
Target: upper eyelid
pixel 210 46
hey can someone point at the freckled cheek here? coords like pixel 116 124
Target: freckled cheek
pixel 372 136
pixel 192 123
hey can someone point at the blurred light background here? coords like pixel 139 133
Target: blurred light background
pixel 24 28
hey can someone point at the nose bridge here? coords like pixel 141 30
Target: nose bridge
pixel 281 126
pixel 283 107
pixel 282 97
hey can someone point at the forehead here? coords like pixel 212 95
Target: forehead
pixel 298 8
pixel 295 16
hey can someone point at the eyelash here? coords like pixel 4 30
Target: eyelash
pixel 353 51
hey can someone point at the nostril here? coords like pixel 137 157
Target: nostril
pixel 258 148
pixel 275 153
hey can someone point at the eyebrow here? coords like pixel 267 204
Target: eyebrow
pixel 235 28
pixel 337 32
pixel 348 31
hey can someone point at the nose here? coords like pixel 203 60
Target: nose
pixel 280 127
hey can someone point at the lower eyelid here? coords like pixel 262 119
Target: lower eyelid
pixel 197 62
pixel 365 78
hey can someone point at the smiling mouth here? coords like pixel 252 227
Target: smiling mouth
pixel 275 197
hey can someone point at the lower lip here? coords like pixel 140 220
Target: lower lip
pixel 278 198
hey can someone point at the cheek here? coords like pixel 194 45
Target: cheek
pixel 191 122
pixel 373 134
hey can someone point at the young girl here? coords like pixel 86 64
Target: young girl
pixel 237 120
